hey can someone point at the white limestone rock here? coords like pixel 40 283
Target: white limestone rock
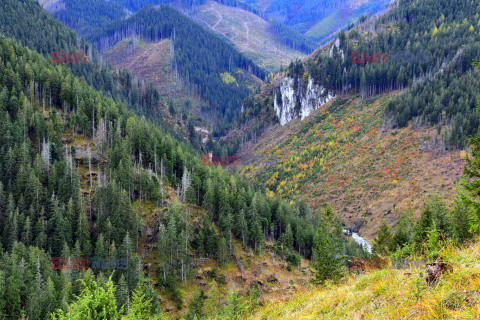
pixel 310 99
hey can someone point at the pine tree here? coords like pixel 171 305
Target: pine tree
pixel 141 308
pixel 471 194
pixel 195 307
pixel 383 241
pixel 49 298
pixel 209 198
pixel 13 292
pixel 327 250
pixel 288 238
pixel 401 237
pixel 95 301
pixel 83 234
pixel 256 235
pixel 122 295
pixel 3 295
pixel 27 232
pixel 172 238
pixel 461 217
pixel 101 248
pixel 241 227
pixel 433 243
pixel 423 224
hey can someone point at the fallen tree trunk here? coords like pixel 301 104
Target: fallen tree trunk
pixel 435 270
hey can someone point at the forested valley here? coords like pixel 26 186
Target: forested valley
pixel 78 167
pixel 91 167
pixel 201 58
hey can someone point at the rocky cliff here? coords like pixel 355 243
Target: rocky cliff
pixel 297 99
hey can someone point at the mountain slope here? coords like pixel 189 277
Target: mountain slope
pixel 342 155
pixel 34 27
pixel 213 68
pixel 392 136
pixel 251 34
pixel 390 294
pixel 94 180
pixel 319 20
pixel 268 42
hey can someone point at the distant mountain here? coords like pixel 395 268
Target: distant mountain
pixel 213 68
pixel 199 62
pixel 319 19
pixel 34 27
pixel 266 41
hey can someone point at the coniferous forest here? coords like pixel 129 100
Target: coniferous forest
pixel 55 131
pixel 429 53
pixel 91 170
pixel 35 28
pixel 200 56
pixel 193 55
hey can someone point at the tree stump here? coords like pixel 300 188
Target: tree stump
pixel 435 270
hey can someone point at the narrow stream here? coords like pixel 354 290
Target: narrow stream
pixel 358 239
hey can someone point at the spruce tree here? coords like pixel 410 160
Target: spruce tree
pixel 461 217
pixel 163 250
pixel 328 259
pixel 383 241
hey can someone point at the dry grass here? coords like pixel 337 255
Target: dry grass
pixel 390 294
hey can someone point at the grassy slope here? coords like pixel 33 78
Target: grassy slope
pixel 248 32
pixel 391 294
pixel 340 155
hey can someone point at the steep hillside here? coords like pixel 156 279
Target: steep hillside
pixel 269 43
pixel 391 294
pixel 251 34
pixel 393 134
pixel 343 155
pixel 153 62
pixel 210 66
pixel 346 15
pixel 35 28
pixel 202 60
pixel 82 176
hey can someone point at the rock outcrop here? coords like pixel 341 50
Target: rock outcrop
pixel 296 99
